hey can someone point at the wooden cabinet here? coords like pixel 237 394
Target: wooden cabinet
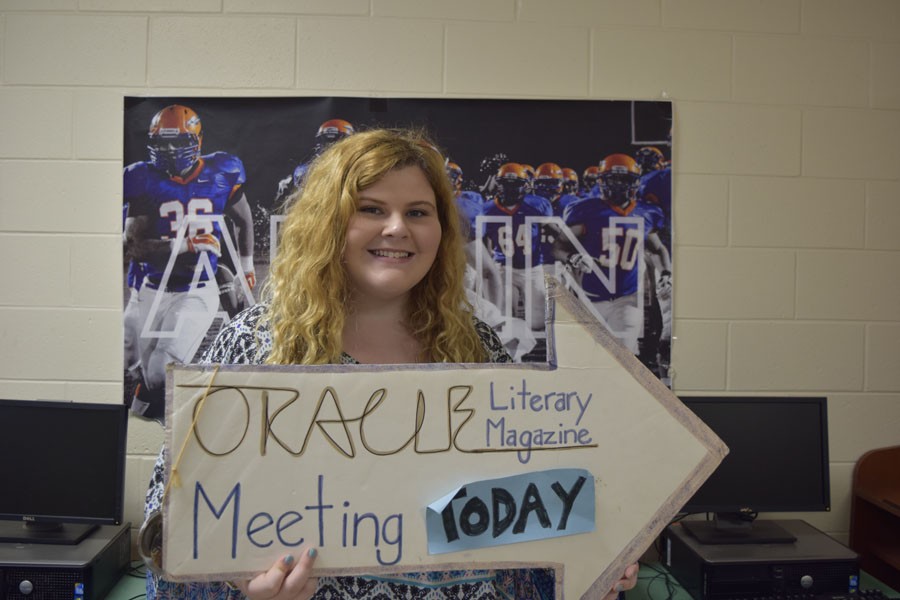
pixel 875 514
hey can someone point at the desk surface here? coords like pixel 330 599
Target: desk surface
pixel 132 585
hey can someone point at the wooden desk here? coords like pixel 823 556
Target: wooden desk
pixel 875 513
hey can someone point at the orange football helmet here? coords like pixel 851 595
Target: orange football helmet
pixel 619 179
pixel 174 139
pixel 529 170
pixel 548 181
pixel 589 177
pixel 512 181
pixel 331 131
pixel 570 181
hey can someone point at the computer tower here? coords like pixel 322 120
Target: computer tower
pixel 814 564
pixel 88 569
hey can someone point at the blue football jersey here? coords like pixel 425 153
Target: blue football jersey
pixel 559 207
pixel 299 173
pixel 615 240
pixel 656 189
pixel 469 205
pixel 509 240
pixel 166 201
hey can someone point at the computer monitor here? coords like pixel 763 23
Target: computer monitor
pixel 62 465
pixel 777 462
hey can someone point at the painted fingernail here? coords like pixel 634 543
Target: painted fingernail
pixel 288 560
pixel 618 587
pixel 313 553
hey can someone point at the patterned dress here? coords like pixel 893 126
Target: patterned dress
pixel 246 340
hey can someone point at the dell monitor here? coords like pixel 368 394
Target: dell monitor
pixel 62 465
pixel 777 462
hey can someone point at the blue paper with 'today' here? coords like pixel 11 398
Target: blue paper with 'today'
pixel 520 508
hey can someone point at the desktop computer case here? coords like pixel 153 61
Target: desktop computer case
pixel 813 565
pixel 61 572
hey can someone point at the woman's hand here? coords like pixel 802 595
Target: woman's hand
pixel 627 582
pixel 288 579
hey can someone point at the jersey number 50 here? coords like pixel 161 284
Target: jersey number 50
pixel 622 254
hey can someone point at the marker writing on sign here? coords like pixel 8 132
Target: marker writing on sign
pixel 500 433
pixel 264 529
pixel 560 401
pixel 254 405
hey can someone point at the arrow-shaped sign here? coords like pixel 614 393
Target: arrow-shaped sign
pixel 587 458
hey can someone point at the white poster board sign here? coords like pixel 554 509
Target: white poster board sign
pixel 593 455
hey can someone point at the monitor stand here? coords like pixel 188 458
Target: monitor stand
pixel 731 529
pixel 67 534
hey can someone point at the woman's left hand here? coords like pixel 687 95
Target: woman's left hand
pixel 288 579
pixel 627 582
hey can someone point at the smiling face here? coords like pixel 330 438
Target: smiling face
pixel 393 238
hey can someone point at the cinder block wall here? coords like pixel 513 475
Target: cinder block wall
pixel 787 163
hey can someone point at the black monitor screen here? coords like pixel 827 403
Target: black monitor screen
pixel 60 463
pixel 777 459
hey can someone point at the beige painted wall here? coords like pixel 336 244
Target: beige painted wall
pixel 787 164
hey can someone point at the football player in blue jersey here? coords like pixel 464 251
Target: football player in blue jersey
pixel 616 231
pixel 131 324
pixel 549 183
pixel 589 179
pixel 649 159
pixel 175 229
pixel 517 245
pixel 529 170
pixel 656 190
pixel 570 182
pixel 486 298
pixel 328 133
pixel 470 204
pixel 469 201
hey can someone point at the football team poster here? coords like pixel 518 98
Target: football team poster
pixel 580 190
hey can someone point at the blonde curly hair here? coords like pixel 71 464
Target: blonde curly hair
pixel 307 291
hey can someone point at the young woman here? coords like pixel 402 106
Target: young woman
pixel 369 269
